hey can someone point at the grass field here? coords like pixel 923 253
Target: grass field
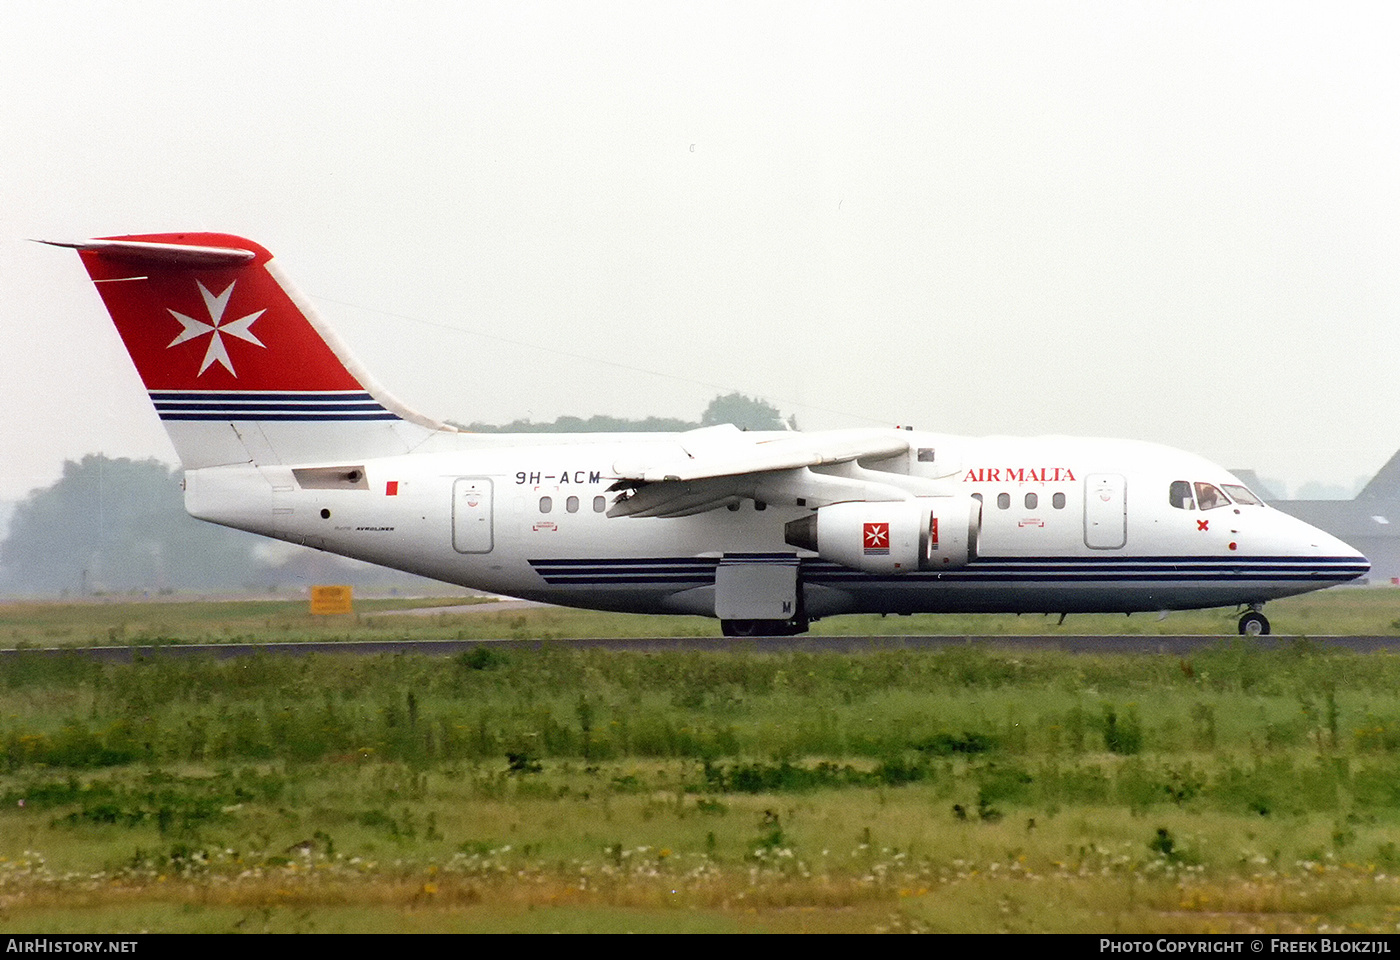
pixel 1240 789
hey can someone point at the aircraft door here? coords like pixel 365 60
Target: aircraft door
pixel 471 515
pixel 1105 511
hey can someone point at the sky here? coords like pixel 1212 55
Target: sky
pixel 1176 222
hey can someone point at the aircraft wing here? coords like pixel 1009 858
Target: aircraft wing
pixel 726 451
pixel 719 466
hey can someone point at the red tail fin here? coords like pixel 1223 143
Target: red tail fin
pixel 221 341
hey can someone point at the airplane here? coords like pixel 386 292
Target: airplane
pixel 282 433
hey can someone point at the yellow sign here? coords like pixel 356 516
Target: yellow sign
pixel 331 599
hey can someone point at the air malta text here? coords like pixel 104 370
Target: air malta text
pixel 560 478
pixel 1019 475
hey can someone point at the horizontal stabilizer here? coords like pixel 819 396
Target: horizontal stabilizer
pixel 165 254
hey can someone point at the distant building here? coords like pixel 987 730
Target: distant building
pixel 1370 522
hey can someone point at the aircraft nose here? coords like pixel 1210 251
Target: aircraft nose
pixel 1360 565
pixel 1357 559
pixel 1341 560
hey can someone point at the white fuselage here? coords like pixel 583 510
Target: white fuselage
pixel 1066 525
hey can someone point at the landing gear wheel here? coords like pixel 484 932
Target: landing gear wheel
pixel 1254 624
pixel 762 628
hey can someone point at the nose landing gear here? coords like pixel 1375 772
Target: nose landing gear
pixel 1253 623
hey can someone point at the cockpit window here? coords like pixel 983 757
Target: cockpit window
pixel 1185 495
pixel 1180 495
pixel 1241 494
pixel 1209 497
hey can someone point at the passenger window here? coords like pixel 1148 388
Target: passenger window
pixel 546 504
pixel 1180 495
pixel 600 504
pixel 1058 501
pixel 1003 501
pixel 926 455
pixel 1031 501
pixel 1208 496
pixel 571 504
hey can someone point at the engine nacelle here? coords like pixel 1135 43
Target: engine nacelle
pixel 892 536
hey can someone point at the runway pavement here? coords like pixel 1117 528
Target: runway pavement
pixel 1169 645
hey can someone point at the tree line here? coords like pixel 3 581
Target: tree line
pixel 744 412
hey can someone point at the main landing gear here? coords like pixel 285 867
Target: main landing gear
pixel 1253 623
pixel 762 628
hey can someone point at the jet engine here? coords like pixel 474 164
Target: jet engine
pixel 892 536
